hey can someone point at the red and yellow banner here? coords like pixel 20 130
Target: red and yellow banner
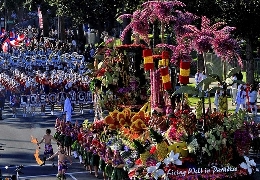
pixel 166 80
pixel 165 59
pixel 148 59
pixel 184 72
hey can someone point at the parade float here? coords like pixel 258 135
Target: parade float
pixel 134 85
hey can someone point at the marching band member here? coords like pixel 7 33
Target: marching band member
pixel 14 101
pixel 24 104
pixel 61 99
pixel 42 101
pixel 33 102
pixel 73 98
pixel 81 100
pixel 52 98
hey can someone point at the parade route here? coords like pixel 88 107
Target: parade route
pixel 15 139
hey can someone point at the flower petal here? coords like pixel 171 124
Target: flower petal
pixel 158 165
pixel 167 161
pixel 246 158
pixel 151 169
pixel 249 170
pixel 176 156
pixel 244 165
pixel 171 154
pixel 178 162
pixel 252 163
pixel 159 173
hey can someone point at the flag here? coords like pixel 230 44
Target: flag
pixel 20 37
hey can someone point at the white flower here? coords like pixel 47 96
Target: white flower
pixel 193 146
pixel 248 165
pixel 173 158
pixel 155 171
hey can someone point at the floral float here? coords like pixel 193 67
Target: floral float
pixel 157 142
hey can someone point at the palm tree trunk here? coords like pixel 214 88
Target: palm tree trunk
pixel 249 62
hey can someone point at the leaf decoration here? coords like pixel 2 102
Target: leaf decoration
pixel 206 82
pixel 186 89
pixel 233 71
pixel 214 89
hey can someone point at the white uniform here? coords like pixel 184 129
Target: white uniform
pixel 234 90
pixel 252 95
pixel 241 100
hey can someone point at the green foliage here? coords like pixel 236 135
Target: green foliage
pixel 233 71
pixel 206 82
pixel 234 121
pixel 238 14
pixel 186 89
pixel 11 5
pixel 138 146
pixel 157 137
pixel 95 12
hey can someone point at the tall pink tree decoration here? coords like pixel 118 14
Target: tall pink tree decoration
pixel 216 38
pixel 150 11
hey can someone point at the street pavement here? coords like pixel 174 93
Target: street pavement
pixel 15 139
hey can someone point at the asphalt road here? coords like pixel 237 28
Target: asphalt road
pixel 15 139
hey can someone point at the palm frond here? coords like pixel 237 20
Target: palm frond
pixel 206 82
pixel 214 89
pixel 186 89
pixel 233 71
pixel 216 77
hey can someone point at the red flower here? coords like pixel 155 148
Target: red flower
pixel 138 162
pixel 153 149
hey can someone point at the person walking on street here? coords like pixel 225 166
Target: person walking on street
pixel 62 161
pixel 48 149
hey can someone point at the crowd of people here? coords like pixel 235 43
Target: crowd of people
pixel 90 147
pixel 243 96
pixel 41 73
